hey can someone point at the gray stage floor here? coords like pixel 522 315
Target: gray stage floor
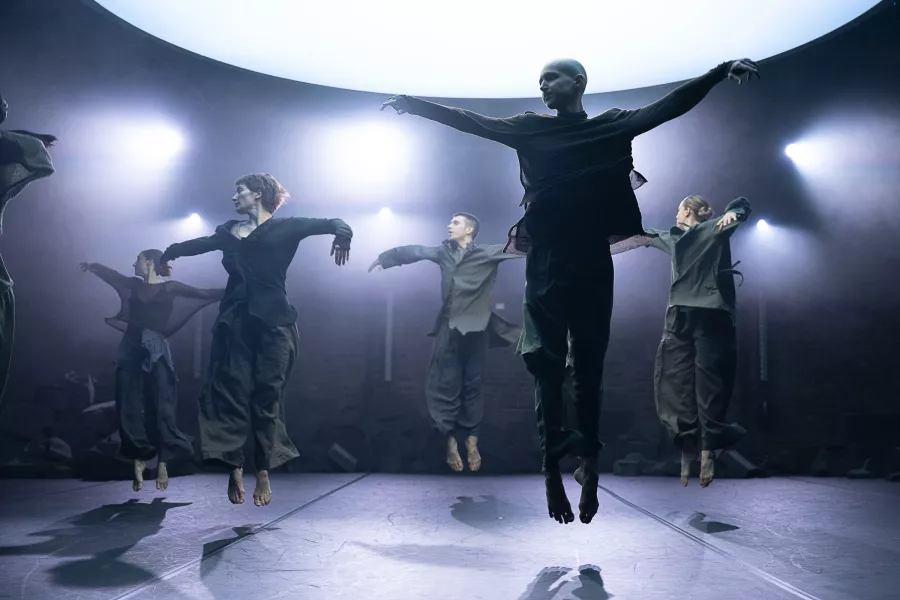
pixel 430 537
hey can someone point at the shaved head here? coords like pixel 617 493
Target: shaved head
pixel 563 82
pixel 569 66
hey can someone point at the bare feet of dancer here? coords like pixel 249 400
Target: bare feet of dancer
pixel 557 503
pixel 162 477
pixel 262 495
pixel 707 467
pixel 236 486
pixel 472 454
pixel 587 475
pixel 453 457
pixel 688 456
pixel 138 482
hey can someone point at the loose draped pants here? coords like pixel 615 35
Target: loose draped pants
pixel 694 377
pixel 250 363
pixel 453 384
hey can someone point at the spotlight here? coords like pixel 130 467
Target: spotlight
pixel 365 158
pixel 194 219
pixel 385 213
pixel 762 225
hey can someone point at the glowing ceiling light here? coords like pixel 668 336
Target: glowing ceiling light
pixel 483 48
pixel 762 225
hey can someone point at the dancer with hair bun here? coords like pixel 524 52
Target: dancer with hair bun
pixel 146 394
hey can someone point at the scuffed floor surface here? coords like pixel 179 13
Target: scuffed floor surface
pixel 457 538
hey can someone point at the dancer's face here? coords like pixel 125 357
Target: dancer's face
pixel 683 214
pixel 244 200
pixel 458 229
pixel 142 266
pixel 558 87
pixel 4 109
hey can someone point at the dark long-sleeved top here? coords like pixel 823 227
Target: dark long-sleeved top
pixel 257 264
pixel 149 313
pixel 702 272
pixel 467 279
pixel 582 162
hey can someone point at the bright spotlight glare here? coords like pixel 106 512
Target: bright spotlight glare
pixel 154 143
pixel 364 158
pixel 194 219
pixel 385 213
pixel 762 225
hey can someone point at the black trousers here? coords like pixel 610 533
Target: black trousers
pixel 568 292
pixel 694 377
pixel 453 383
pixel 146 404
pixel 250 363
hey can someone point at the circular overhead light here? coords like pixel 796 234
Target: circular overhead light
pixel 483 48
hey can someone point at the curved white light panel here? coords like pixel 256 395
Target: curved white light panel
pixel 483 48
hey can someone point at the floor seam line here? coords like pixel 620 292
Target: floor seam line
pixel 724 553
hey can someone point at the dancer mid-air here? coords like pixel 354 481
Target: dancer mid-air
pixel 464 330
pixel 23 159
pixel 697 357
pixel 255 337
pixel 152 309
pixel 579 197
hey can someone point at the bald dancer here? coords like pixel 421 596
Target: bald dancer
pixel 579 197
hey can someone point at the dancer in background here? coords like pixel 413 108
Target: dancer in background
pixel 255 337
pixel 23 159
pixel 152 309
pixel 464 330
pixel 579 185
pixel 697 357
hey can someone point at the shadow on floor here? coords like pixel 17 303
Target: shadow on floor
pixel 697 522
pixel 102 535
pixel 489 514
pixel 554 583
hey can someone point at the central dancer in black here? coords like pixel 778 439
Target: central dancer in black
pixel 579 185
pixel 255 336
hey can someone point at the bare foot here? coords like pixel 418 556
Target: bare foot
pixel 162 477
pixel 236 486
pixel 138 482
pixel 453 457
pixel 262 495
pixel 707 467
pixel 589 503
pixel 688 456
pixel 557 503
pixel 472 454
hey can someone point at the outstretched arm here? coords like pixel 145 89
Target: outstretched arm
pixel 507 131
pixel 406 255
pixel 194 247
pixel 661 240
pixel 684 97
pixel 187 291
pixel 736 212
pixel 495 251
pixel 115 279
pixel 304 227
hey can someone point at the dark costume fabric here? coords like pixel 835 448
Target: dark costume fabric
pixel 696 361
pixel 464 329
pixel 23 159
pixel 579 197
pixel 255 338
pixel 146 384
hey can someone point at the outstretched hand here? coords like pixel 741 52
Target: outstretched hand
pixel 375 265
pixel 398 103
pixel 726 220
pixel 341 254
pixel 84 266
pixel 742 67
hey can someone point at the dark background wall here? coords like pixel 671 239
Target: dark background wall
pixel 827 270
